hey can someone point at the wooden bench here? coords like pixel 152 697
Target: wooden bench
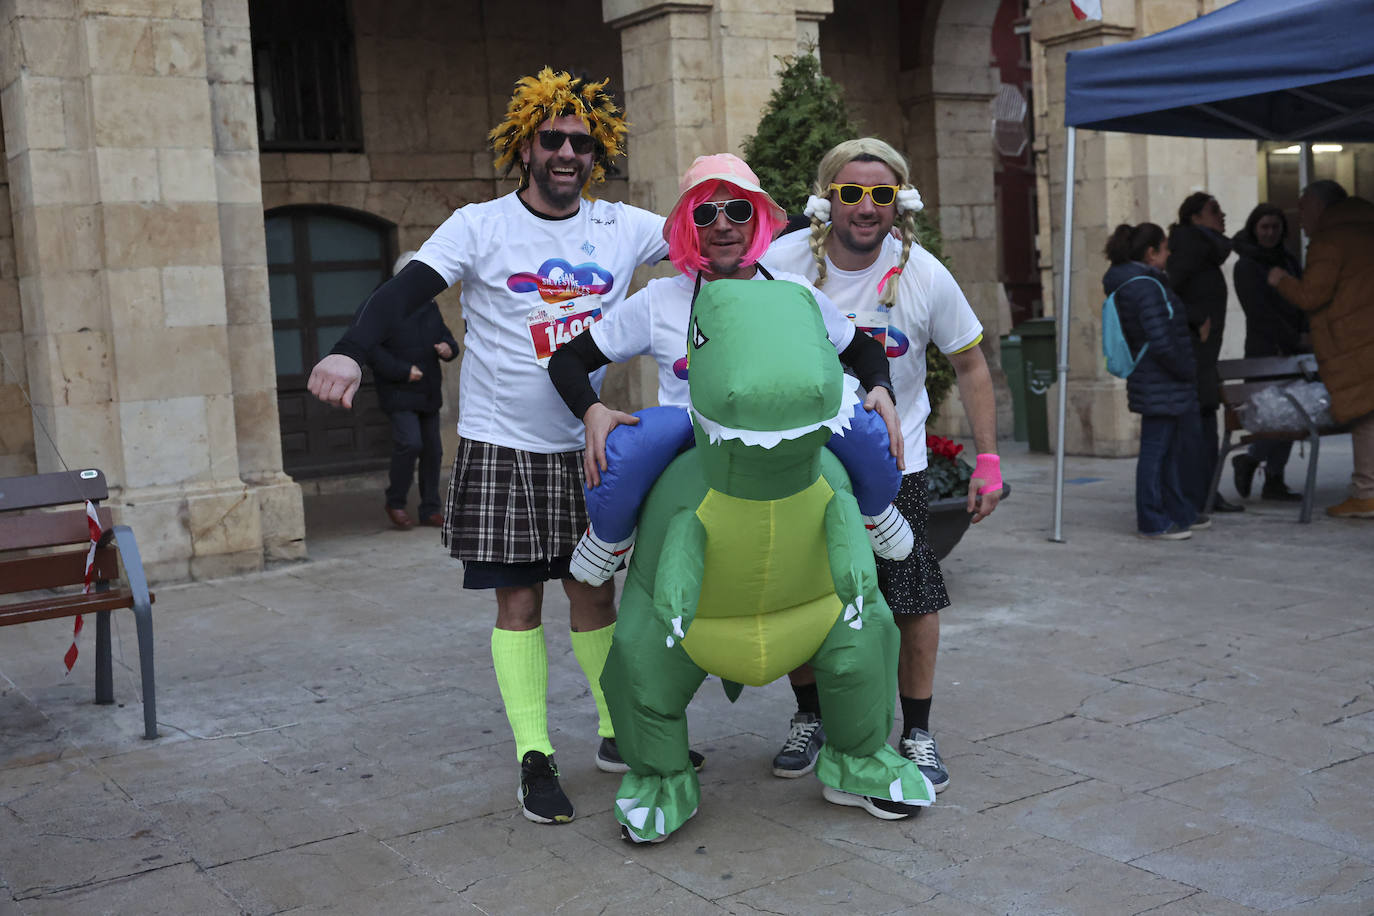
pixel 43 568
pixel 1240 379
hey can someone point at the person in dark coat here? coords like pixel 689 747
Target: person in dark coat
pixel 1163 386
pixel 1197 247
pixel 1273 327
pixel 406 364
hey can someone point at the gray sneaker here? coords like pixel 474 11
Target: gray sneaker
pixel 920 748
pixel 803 744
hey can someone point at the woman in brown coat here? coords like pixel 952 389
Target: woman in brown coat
pixel 1337 292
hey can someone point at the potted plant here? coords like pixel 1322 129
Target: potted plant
pixel 947 477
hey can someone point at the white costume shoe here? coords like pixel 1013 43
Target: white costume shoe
pixel 594 561
pixel 889 533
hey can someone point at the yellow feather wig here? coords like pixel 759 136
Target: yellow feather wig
pixel 551 95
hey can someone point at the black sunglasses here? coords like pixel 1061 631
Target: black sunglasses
pixel 738 210
pixel 552 141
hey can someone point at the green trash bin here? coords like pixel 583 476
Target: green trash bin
pixel 1013 365
pixel 1038 346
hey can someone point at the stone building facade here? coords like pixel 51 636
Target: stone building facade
pixel 145 302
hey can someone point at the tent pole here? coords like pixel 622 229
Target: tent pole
pixel 1304 179
pixel 1063 318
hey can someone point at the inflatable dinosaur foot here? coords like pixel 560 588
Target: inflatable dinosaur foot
pixel 884 774
pixel 650 807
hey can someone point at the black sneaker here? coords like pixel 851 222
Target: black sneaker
pixel 803 744
pixel 881 808
pixel 1244 467
pixel 920 748
pixel 608 759
pixel 541 797
pixel 1278 491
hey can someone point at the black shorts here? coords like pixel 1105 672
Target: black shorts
pixel 914 585
pixel 477 574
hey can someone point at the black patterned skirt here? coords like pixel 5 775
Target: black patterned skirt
pixel 509 506
pixel 914 585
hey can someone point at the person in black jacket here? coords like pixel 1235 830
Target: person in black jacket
pixel 1197 248
pixel 1273 327
pixel 1163 386
pixel 406 364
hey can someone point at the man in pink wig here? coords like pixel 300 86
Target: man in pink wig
pixel 720 226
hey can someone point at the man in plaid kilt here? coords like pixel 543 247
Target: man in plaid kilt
pixel 537 266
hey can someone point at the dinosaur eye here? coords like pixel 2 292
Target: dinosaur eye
pixel 699 339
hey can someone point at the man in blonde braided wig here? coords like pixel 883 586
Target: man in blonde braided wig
pixel 901 294
pixel 538 266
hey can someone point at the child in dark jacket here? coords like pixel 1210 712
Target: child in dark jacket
pixel 406 364
pixel 1163 387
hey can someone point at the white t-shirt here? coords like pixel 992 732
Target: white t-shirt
pixel 526 280
pixel 654 321
pixel 930 307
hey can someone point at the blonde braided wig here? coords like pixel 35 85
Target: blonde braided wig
pixel 548 95
pixel 864 149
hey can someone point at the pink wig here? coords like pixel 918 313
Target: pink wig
pixel 684 248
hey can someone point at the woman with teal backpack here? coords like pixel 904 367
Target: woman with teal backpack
pixel 1162 388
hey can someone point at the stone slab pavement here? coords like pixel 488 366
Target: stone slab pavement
pixel 1171 728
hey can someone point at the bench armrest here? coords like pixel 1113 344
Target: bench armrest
pixel 133 566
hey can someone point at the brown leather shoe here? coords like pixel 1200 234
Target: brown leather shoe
pixel 433 520
pixel 400 519
pixel 1352 508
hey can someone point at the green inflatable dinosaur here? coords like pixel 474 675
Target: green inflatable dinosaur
pixel 752 559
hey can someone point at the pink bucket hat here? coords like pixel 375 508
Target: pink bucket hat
pixel 721 167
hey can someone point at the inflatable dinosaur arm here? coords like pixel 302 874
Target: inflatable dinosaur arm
pixel 851 557
pixel 677 584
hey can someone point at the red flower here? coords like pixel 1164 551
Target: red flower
pixel 943 447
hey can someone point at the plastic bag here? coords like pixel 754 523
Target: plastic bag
pixel 1270 410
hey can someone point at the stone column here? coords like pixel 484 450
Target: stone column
pixel 111 151
pixel 1121 178
pixel 948 116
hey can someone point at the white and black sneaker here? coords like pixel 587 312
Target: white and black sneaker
pixel 803 744
pixel 608 759
pixel 920 749
pixel 882 808
pixel 541 797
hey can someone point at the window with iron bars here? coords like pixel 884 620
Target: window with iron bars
pixel 305 75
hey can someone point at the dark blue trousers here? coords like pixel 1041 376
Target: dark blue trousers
pixel 415 434
pixel 1163 498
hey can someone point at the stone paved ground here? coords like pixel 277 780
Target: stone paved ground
pixel 1132 727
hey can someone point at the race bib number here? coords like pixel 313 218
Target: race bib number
pixel 554 326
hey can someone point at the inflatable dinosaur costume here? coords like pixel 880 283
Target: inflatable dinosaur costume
pixel 752 559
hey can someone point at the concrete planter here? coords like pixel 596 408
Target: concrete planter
pixel 949 519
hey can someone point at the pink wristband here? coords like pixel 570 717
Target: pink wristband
pixel 989 470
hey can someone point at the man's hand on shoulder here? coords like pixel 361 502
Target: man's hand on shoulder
pixel 599 421
pixel 880 399
pixel 335 379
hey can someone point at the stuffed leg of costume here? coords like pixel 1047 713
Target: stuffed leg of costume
pixel 637 455
pixel 856 701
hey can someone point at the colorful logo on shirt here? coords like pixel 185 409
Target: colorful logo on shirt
pixel 894 341
pixel 558 281
pixel 680 368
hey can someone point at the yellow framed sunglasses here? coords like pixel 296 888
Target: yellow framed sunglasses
pixel 851 195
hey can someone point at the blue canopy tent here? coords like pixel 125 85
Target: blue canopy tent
pixel 1298 70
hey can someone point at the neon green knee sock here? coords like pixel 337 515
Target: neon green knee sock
pixel 591 648
pixel 522 673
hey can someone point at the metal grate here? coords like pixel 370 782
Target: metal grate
pixel 305 75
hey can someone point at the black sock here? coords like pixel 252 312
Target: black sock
pixel 808 698
pixel 915 714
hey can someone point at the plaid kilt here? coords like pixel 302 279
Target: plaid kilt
pixel 914 585
pixel 509 506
